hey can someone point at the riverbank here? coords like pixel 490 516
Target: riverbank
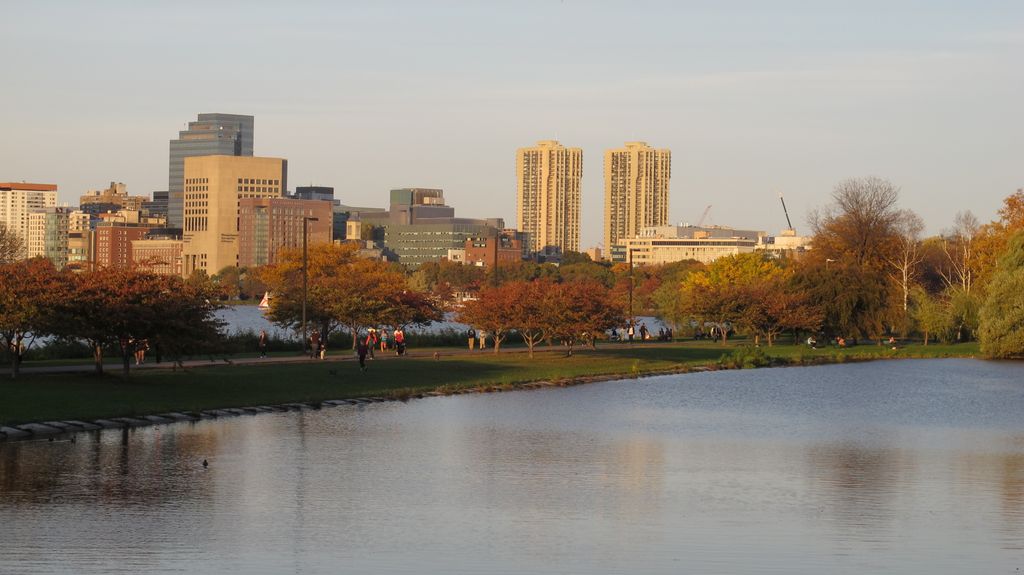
pixel 58 397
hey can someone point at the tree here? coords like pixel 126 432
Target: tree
pixel 772 307
pixel 28 291
pixel 904 259
pixel 119 307
pixel 930 313
pixel 859 226
pixel 490 312
pixel 580 310
pixel 854 300
pixel 1002 316
pixel 959 246
pixel 12 248
pixel 529 304
pixel 343 290
pixel 722 292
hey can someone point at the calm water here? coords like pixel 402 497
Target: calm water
pixel 895 467
pixel 249 318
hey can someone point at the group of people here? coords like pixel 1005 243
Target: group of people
pixel 375 338
pixel 630 333
pixel 476 337
pixel 138 348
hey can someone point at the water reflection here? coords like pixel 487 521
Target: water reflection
pixel 897 467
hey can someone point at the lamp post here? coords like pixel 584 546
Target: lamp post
pixel 632 320
pixel 305 271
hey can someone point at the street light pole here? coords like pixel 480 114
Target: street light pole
pixel 629 256
pixel 305 272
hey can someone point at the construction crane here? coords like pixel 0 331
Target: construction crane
pixel 789 224
pixel 703 216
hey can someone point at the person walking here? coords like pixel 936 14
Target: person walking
pixel 472 338
pixel 630 332
pixel 262 344
pixel 141 347
pixel 314 344
pixel 361 351
pixel 482 335
pixel 371 340
pixel 399 342
pixel 383 340
pixel 644 334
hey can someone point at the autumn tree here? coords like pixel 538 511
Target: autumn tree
pixel 490 312
pixel 344 290
pixel 580 311
pixel 117 308
pixel 771 307
pixel 720 293
pixel 528 307
pixel 859 226
pixel 28 291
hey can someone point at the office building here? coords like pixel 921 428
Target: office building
pixel 48 235
pixel 18 200
pixel 79 242
pixel 668 244
pixel 158 205
pixel 111 241
pixel 548 196
pixel 209 135
pixel 415 244
pixel 266 225
pixel 325 193
pixel 636 190
pixel 111 199
pixel 214 186
pixel 501 247
pixel 159 252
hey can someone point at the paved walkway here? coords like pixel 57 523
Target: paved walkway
pixel 115 368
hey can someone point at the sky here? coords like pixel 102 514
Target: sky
pixel 753 98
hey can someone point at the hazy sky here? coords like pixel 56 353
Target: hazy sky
pixel 752 97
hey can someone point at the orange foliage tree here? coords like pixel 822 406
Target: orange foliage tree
pixel 28 290
pixel 344 291
pixel 120 307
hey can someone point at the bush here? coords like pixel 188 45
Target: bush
pixel 746 357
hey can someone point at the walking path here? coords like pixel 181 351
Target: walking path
pixel 115 368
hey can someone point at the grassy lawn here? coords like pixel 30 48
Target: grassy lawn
pixel 43 397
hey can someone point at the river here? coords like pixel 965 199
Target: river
pixel 913 466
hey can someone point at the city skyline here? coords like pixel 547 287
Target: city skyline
pixel 751 100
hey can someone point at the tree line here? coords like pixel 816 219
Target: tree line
pixel 870 274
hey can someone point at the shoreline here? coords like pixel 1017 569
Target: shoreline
pixel 51 429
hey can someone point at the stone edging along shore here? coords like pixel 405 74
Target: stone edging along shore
pixel 51 429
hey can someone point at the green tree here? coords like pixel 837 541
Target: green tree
pixel 1002 316
pixel 930 314
pixel 722 292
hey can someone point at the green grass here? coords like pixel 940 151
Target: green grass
pixel 78 396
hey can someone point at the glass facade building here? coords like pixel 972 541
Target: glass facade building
pixel 210 135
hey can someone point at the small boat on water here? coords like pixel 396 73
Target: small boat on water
pixel 265 302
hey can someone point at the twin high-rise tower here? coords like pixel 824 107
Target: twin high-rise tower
pixel 636 181
pixel 636 189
